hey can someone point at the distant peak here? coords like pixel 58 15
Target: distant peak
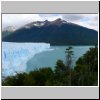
pixel 58 19
pixel 9 29
pixel 46 22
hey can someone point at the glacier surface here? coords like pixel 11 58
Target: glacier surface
pixel 16 55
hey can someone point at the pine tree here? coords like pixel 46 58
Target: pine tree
pixel 69 53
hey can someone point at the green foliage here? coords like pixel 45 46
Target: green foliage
pixel 86 68
pixel 60 67
pixel 85 73
pixel 18 80
pixel 69 53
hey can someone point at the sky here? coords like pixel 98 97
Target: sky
pixel 18 20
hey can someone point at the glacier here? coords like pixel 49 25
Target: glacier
pixel 16 55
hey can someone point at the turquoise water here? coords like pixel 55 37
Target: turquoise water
pixel 49 58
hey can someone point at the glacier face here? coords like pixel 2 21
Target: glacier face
pixel 16 55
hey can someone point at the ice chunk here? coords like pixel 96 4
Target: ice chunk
pixel 16 55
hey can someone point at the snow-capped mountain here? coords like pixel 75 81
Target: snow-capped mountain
pixel 37 24
pixel 57 32
pixel 9 29
pixel 58 22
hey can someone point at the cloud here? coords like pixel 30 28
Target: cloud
pixel 50 17
pixel 87 20
pixel 72 17
pixel 18 20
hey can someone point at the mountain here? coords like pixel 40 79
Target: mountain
pixel 57 32
pixel 7 31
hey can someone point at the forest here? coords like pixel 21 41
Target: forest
pixel 84 73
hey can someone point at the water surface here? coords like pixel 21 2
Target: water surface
pixel 49 58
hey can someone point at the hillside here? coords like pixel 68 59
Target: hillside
pixel 57 32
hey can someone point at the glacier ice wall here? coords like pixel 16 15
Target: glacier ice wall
pixel 16 55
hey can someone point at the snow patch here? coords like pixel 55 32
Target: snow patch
pixel 39 24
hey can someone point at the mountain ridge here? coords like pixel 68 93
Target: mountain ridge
pixel 57 32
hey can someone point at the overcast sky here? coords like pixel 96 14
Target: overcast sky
pixel 18 20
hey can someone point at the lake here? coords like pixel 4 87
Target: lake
pixel 49 58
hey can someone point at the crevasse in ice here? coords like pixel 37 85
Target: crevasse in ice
pixel 16 55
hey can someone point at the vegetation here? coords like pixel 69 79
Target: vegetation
pixel 84 73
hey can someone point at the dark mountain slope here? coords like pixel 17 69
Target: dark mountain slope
pixel 58 32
